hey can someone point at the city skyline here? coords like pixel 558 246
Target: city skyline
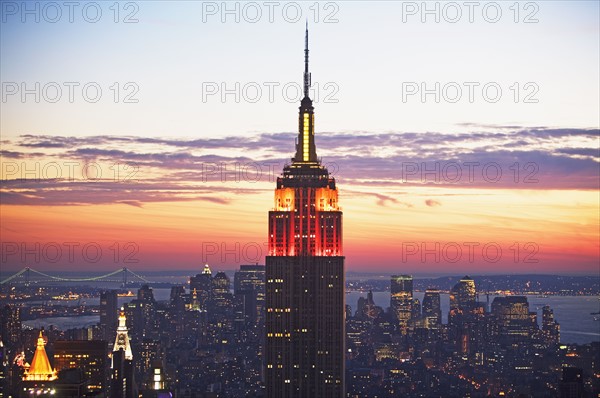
pixel 505 186
pixel 504 345
pixel 428 227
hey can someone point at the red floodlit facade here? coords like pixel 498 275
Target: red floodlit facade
pixel 306 221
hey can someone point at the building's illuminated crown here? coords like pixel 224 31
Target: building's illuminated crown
pixel 206 270
pixel 40 368
pixel 306 219
pixel 122 339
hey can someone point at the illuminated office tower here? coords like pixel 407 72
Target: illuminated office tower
pixel 304 350
pixel 550 328
pixel 463 295
pixel 515 322
pixel 401 300
pixel 432 310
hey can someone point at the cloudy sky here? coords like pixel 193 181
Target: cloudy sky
pixel 149 135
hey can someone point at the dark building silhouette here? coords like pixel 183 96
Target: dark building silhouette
pixel 571 384
pixel 221 297
pixel 72 383
pixel 141 315
pixel 91 357
pixel 3 370
pixel 304 350
pixel 177 299
pixel 122 376
pixel 249 285
pixel 109 313
pixel 366 308
pixel 10 325
pixel 10 339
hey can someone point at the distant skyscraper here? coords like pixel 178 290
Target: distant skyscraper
pixel 177 300
pixel 145 293
pixel 305 274
pixel 401 300
pixel 148 352
pixel 10 325
pixel 432 309
pixel 145 319
pixel 109 313
pixel 463 295
pixel 249 283
pixel 202 284
pixel 515 322
pixel 550 328
pixel 220 289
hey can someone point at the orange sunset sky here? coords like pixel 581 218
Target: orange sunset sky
pixel 182 209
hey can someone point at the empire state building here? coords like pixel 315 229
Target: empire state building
pixel 304 350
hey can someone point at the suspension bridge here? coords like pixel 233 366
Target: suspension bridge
pixel 29 276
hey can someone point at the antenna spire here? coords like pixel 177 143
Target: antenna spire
pixel 305 143
pixel 306 73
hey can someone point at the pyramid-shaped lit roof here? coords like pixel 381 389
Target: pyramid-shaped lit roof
pixel 40 368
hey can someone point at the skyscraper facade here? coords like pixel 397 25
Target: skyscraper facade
pixel 463 295
pixel 550 328
pixel 432 309
pixel 109 314
pixel 249 283
pixel 202 283
pixel 304 349
pixel 89 356
pixel 401 300
pixel 10 324
pixel 515 322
